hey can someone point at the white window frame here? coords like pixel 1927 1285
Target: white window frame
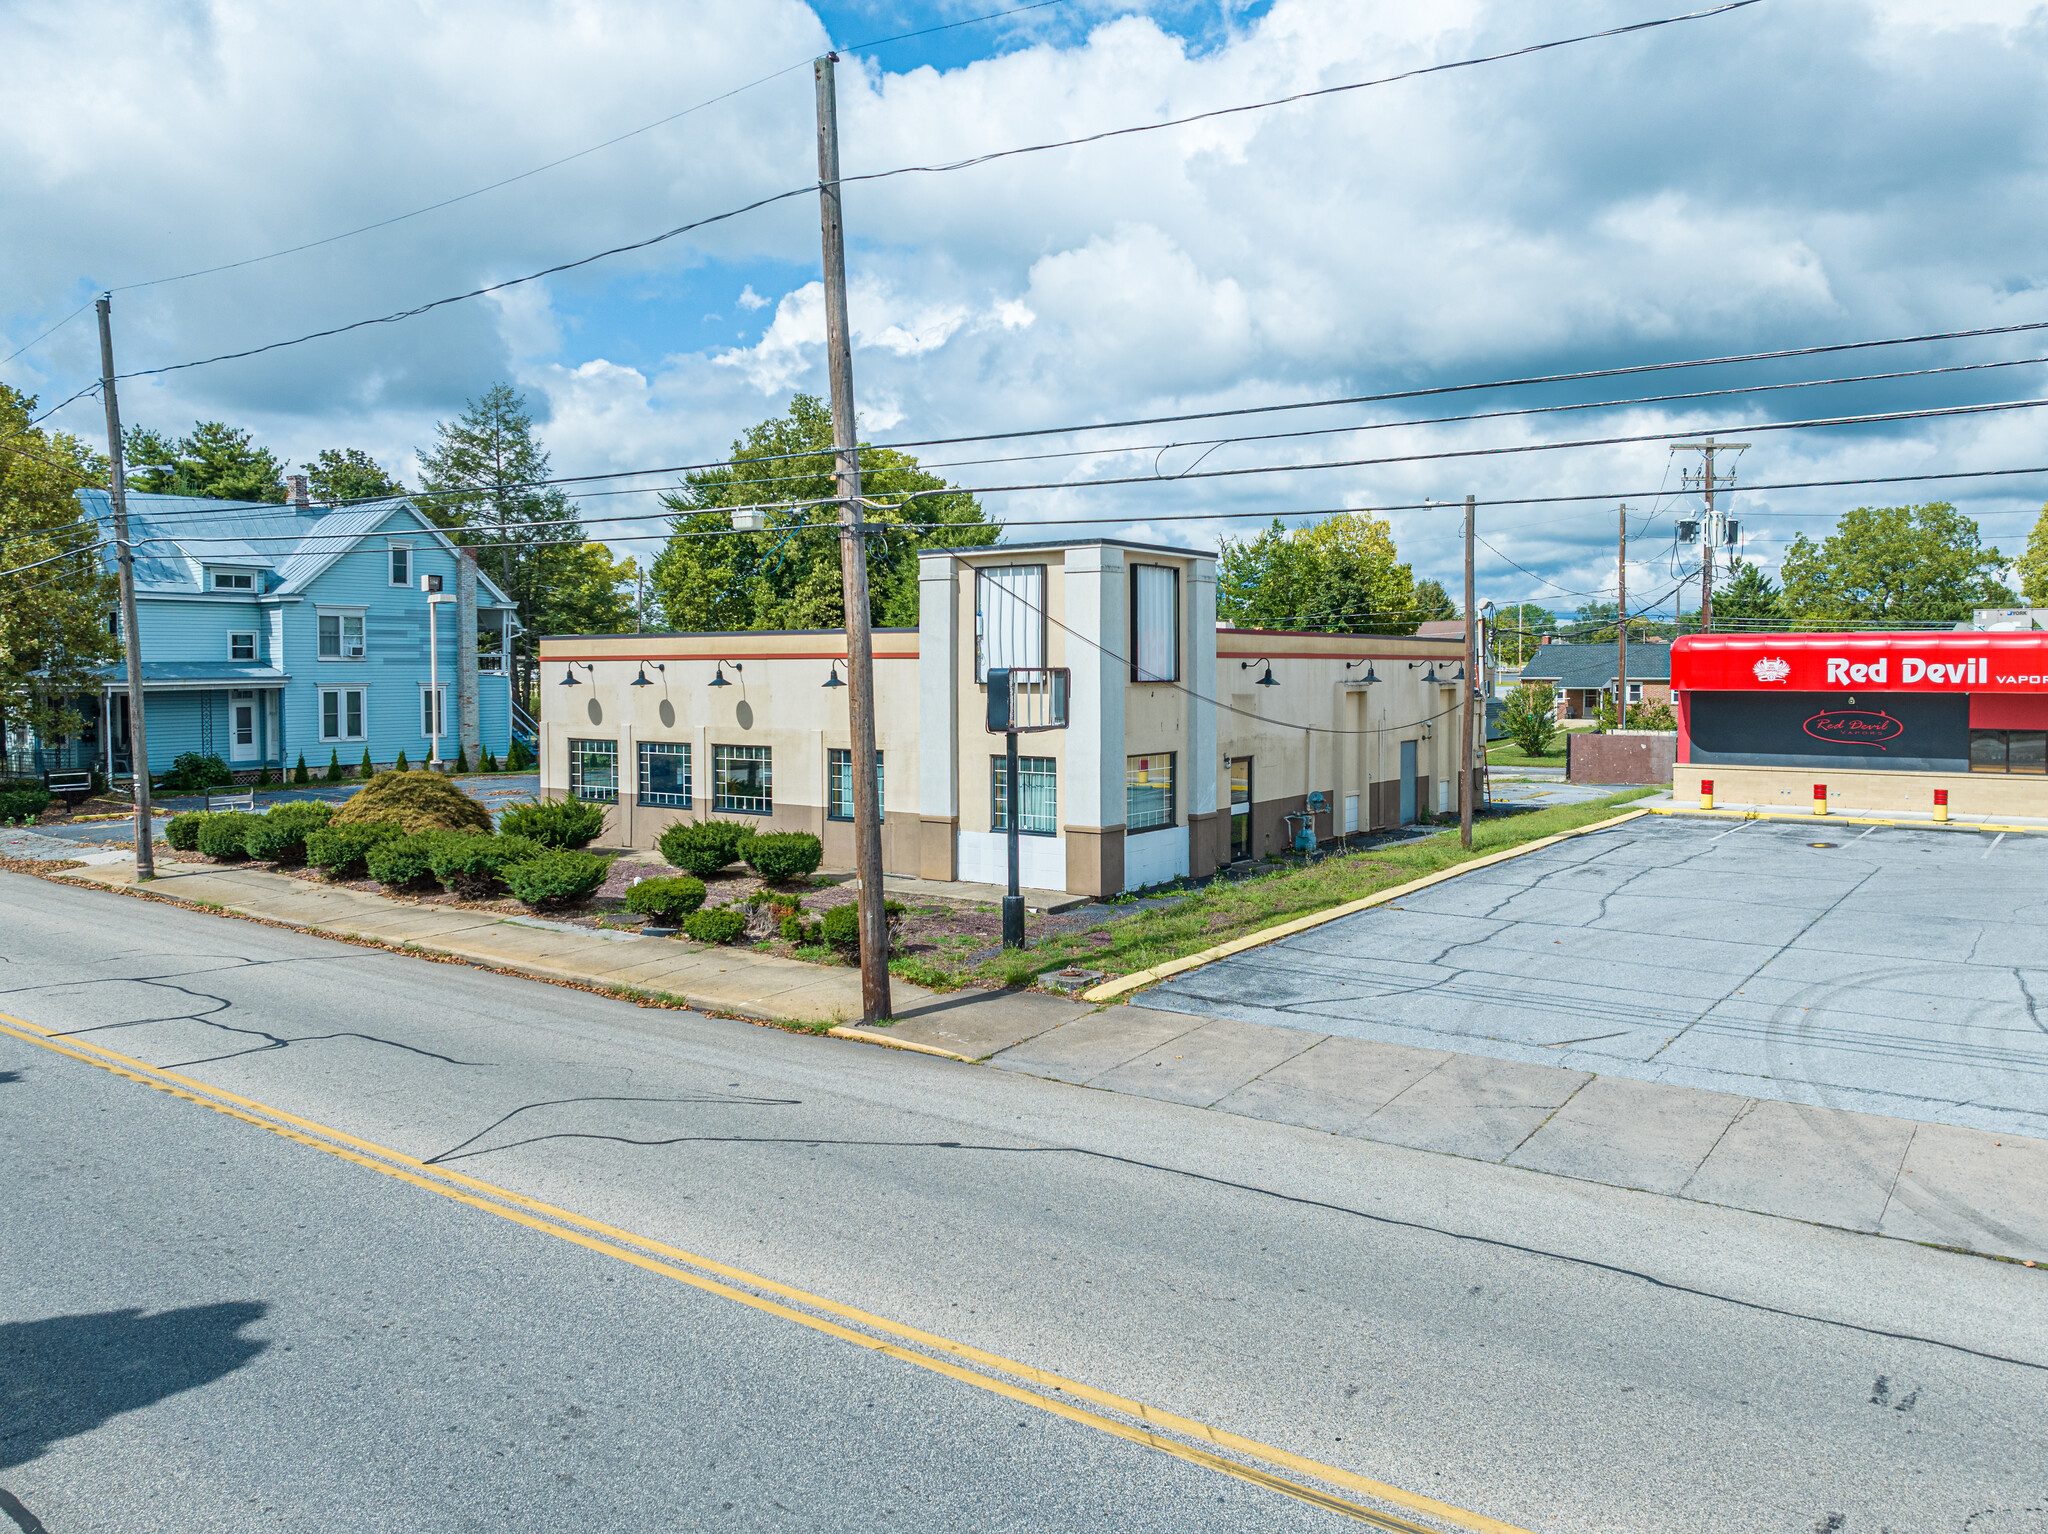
pixel 581 751
pixel 215 574
pixel 725 803
pixel 339 694
pixel 437 727
pixel 392 549
pixel 1042 768
pixel 1172 760
pixel 342 615
pixel 1144 646
pixel 839 783
pixel 1024 645
pixel 673 750
pixel 248 634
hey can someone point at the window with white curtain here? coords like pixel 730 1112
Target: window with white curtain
pixel 1155 623
pixel 1009 618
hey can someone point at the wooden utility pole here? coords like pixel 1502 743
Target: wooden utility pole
pixel 1710 526
pixel 1470 684
pixel 131 630
pixel 1621 631
pixel 853 564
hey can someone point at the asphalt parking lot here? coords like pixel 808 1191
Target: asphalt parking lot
pixel 1886 970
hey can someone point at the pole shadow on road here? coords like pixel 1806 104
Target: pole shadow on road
pixel 67 1375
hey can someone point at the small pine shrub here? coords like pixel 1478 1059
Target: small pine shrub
pixel 299 773
pixel 403 860
pixel 401 765
pixel 222 836
pixel 555 876
pixel 490 762
pixel 263 777
pixel 783 855
pixel 671 899
pixel 471 864
pixel 720 926
pixel 279 836
pixel 555 822
pixel 792 927
pixel 368 770
pixel 841 927
pixel 334 768
pixel 462 758
pixel 516 757
pixel 704 847
pixel 183 831
pixel 342 849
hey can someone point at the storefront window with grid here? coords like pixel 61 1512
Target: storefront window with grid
pixel 1038 789
pixel 1148 792
pixel 594 770
pixel 665 773
pixel 839 784
pixel 742 780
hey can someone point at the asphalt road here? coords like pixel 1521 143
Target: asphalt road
pixel 205 1324
pixel 1878 969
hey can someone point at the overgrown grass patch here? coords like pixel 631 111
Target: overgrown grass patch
pixel 1232 908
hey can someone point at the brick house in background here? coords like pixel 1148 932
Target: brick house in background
pixel 1584 675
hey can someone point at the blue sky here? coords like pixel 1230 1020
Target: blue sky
pixel 1789 174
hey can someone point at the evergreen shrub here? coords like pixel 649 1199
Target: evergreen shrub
pixel 341 849
pixel 555 822
pixel 555 876
pixel 672 899
pixel 783 855
pixel 720 926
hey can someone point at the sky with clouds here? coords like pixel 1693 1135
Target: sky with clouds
pixel 1794 173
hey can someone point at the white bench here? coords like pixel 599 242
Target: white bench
pixel 245 800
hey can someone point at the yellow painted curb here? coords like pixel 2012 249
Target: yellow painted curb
pixel 1109 990
pixel 888 1043
pixel 1844 820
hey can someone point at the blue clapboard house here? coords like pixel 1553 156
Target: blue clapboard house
pixel 271 631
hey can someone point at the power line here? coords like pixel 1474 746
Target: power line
pixel 908 170
pixel 74 314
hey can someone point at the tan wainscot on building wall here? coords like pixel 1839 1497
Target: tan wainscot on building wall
pixel 1156 744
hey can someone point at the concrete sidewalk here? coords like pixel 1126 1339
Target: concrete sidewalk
pixel 1964 1188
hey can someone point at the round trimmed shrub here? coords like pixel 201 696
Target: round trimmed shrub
pixel 22 801
pixel 555 822
pixel 183 831
pixel 672 899
pixel 342 849
pixel 555 876
pixel 198 769
pixel 402 860
pixel 414 801
pixel 704 847
pixel 783 855
pixel 719 926
pixel 279 836
pixel 472 864
pixel 223 835
pixel 841 927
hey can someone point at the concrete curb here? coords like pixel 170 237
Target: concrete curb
pixel 1845 820
pixel 888 1043
pixel 1111 989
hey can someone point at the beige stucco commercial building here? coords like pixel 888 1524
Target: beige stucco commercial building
pixel 1185 745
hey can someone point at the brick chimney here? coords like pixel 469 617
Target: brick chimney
pixel 298 497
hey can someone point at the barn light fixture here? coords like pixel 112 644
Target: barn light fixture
pixel 1268 679
pixel 718 675
pixel 642 679
pixel 569 672
pixel 1370 676
pixel 832 674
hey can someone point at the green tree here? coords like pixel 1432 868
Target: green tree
pixel 54 629
pixel 1341 574
pixel 214 460
pixel 2033 565
pixel 1751 600
pixel 586 591
pixel 349 474
pixel 1432 603
pixel 1530 719
pixel 1516 632
pixel 1894 564
pixel 788 575
pixel 484 483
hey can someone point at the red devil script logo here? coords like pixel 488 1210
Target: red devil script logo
pixel 1855 727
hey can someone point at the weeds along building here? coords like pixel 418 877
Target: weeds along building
pixel 1185 746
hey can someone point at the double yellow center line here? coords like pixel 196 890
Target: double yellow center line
pixel 1182 1437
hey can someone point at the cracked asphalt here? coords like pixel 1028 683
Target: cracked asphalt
pixel 207 1325
pixel 1884 970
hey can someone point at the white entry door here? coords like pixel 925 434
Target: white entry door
pixel 242 726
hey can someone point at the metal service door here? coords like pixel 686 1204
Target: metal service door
pixel 1408 782
pixel 1240 808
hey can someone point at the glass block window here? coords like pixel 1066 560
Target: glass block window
pixel 839 784
pixel 594 770
pixel 1038 792
pixel 742 780
pixel 665 773
pixel 1148 792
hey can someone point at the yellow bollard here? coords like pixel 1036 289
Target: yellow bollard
pixel 1820 798
pixel 1706 793
pixel 1941 806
